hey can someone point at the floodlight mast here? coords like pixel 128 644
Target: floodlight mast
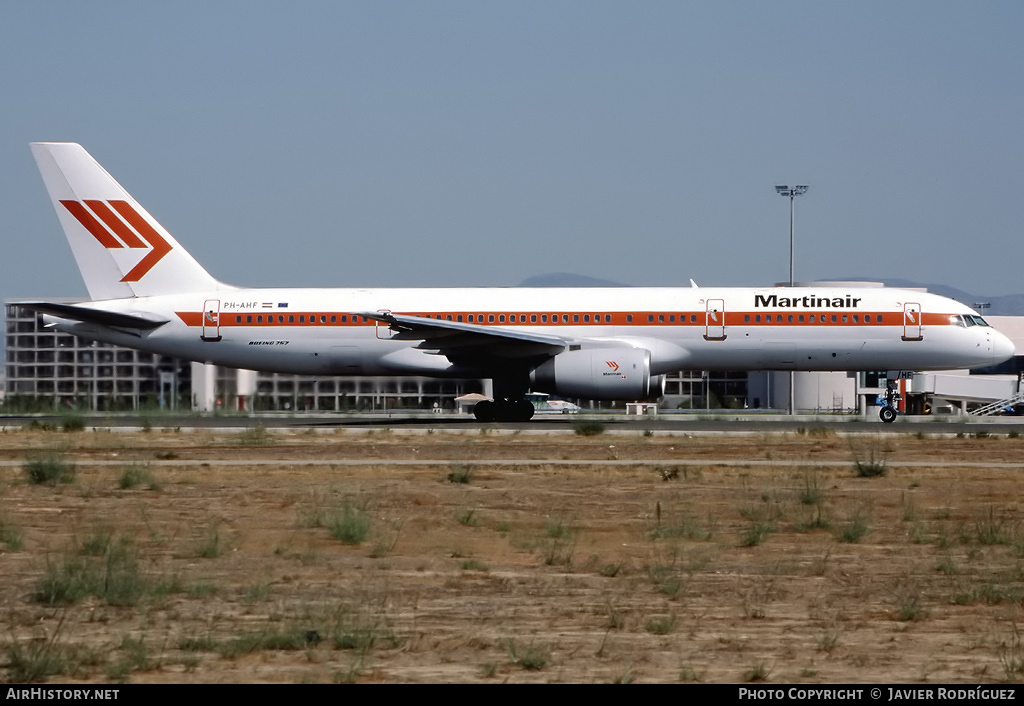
pixel 792 193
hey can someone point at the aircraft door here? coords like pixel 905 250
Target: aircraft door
pixel 714 320
pixel 383 331
pixel 211 320
pixel 912 322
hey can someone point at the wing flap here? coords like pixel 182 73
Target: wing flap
pixel 458 340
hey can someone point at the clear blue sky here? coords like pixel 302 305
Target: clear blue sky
pixel 395 143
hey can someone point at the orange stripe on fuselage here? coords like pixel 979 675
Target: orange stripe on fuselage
pixel 732 319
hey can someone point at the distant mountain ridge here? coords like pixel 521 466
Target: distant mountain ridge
pixel 567 279
pixel 1005 305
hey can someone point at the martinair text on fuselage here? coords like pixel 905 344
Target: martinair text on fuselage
pixel 774 301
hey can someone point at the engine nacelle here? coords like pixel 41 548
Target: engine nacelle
pixel 598 374
pixel 655 390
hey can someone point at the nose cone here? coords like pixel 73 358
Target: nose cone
pixel 1002 348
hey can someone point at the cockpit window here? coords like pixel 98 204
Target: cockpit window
pixel 956 320
pixel 969 320
pixel 978 320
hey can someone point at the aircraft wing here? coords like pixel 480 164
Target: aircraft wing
pixel 469 344
pixel 88 315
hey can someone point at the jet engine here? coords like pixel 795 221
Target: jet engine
pixel 599 374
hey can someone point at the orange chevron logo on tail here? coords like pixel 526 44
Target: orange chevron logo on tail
pixel 613 365
pixel 125 228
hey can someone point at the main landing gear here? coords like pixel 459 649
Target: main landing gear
pixel 503 410
pixel 888 412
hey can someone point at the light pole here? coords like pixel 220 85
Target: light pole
pixel 792 193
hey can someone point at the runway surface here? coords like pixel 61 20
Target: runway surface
pixel 669 423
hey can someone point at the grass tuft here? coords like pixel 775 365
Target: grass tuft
pixel 588 428
pixel 349 524
pixel 35 661
pixel 532 658
pixel 113 576
pixel 461 473
pixel 49 469
pixel 136 475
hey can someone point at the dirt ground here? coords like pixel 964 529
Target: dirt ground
pixel 390 556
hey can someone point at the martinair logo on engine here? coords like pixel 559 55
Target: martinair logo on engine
pixel 614 368
pixel 125 228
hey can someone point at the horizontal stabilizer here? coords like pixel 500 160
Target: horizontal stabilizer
pixel 88 315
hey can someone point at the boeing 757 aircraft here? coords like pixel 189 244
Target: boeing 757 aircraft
pixel 148 293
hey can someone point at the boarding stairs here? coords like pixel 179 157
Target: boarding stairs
pixel 997 407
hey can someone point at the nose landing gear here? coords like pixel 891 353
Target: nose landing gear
pixel 888 412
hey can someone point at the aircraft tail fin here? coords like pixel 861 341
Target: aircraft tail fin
pixel 120 249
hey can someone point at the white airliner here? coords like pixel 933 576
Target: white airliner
pixel 148 293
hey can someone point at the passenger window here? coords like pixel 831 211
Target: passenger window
pixel 833 318
pixel 586 318
pixel 575 318
pixel 650 318
pixel 661 318
pixel 800 318
pixel 323 319
pixel 607 318
pixel 238 319
pixel 248 319
pixel 757 318
pixel 490 318
pixel 501 318
pixel 629 318
pixel 746 318
pixel 543 318
pixel 533 318
pixel 844 318
pixel 790 318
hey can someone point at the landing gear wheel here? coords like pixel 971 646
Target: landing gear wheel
pixel 484 411
pixel 503 411
pixel 523 410
pixel 887 414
